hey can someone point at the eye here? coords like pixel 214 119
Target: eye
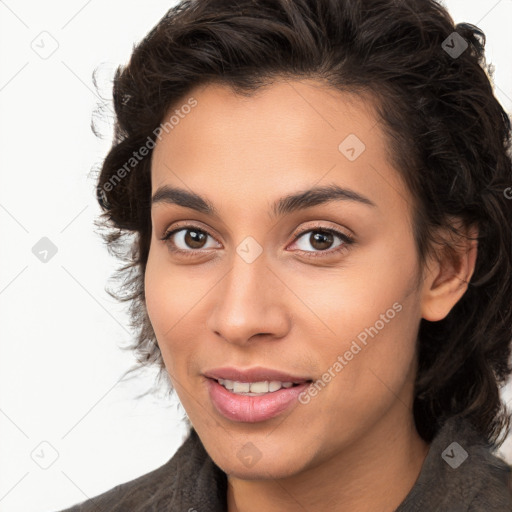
pixel 322 240
pixel 190 240
pixel 187 239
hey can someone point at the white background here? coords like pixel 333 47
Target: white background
pixel 60 363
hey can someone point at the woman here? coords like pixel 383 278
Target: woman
pixel 320 196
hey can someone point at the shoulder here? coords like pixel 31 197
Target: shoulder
pixel 129 495
pixel 461 472
pixel 190 475
pixel 483 476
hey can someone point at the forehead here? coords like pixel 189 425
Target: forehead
pixel 282 112
pixel 287 135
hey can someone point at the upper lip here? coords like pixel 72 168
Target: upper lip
pixel 255 374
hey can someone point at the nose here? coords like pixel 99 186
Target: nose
pixel 249 301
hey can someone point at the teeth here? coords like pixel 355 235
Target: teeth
pixel 228 384
pixel 254 388
pixel 241 387
pixel 274 385
pixel 259 387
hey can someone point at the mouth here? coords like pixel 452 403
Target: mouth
pixel 252 402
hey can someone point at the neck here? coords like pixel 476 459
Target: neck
pixel 375 472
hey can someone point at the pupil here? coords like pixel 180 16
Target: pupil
pixel 323 239
pixel 195 239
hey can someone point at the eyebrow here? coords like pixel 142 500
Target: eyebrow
pixel 283 206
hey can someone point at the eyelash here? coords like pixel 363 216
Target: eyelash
pixel 346 239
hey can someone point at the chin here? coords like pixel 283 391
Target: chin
pixel 248 463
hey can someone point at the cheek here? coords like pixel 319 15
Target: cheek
pixel 164 297
pixel 167 293
pixel 174 302
pixel 372 310
pixel 369 287
pixel 155 285
pixel 394 309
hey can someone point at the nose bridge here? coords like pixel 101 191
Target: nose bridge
pixel 246 303
pixel 246 281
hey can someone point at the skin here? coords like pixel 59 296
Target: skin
pixel 290 312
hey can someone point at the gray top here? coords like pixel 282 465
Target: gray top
pixel 459 474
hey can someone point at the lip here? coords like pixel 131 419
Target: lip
pixel 255 374
pixel 252 409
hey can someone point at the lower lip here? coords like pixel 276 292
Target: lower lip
pixel 251 409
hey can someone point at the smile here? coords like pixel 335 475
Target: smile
pixel 243 404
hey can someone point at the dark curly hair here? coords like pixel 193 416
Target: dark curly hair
pixel 448 136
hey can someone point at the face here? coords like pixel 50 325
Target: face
pixel 322 288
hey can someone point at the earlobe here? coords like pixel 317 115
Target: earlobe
pixel 448 276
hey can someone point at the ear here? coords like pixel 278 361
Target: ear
pixel 448 272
